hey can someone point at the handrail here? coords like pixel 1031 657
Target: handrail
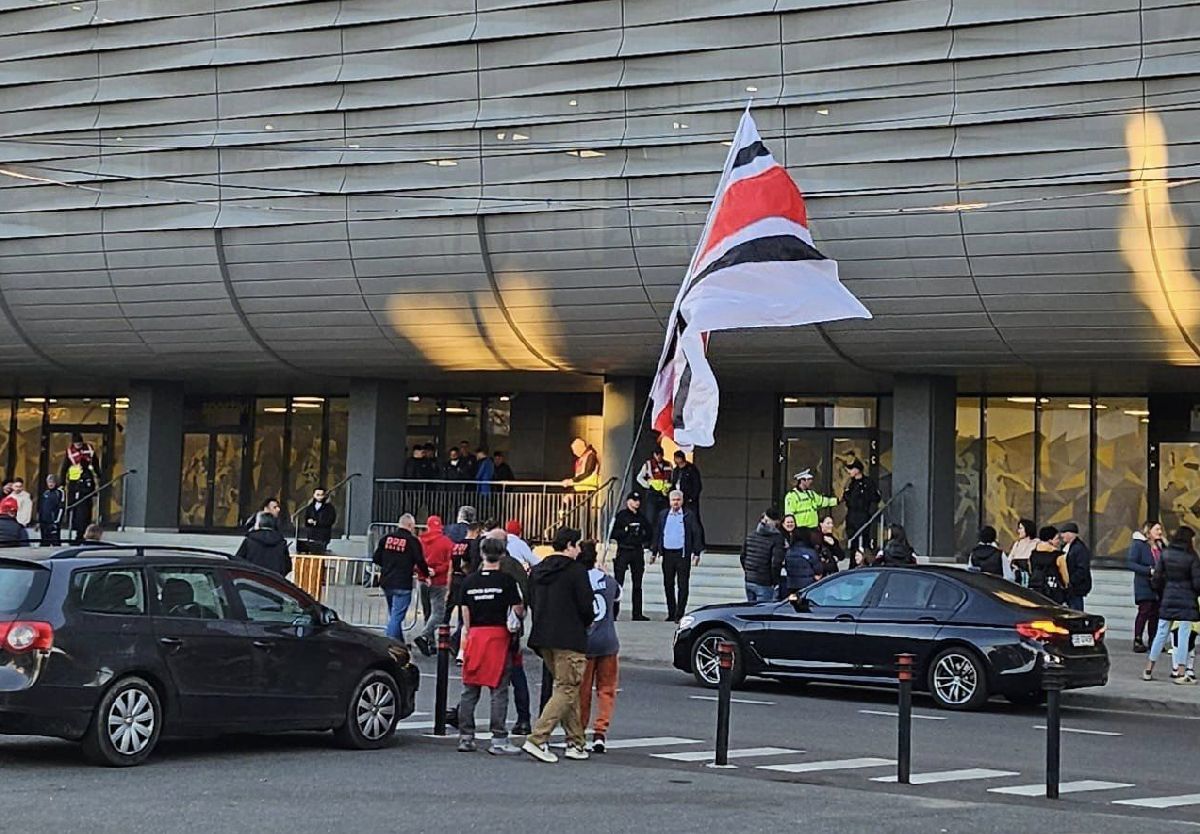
pixel 457 481
pixel 328 494
pixel 99 490
pixel 879 512
pixel 582 499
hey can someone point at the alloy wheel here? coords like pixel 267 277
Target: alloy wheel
pixel 376 710
pixel 708 658
pixel 955 679
pixel 131 722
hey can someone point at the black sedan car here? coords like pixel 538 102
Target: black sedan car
pixel 118 647
pixel 972 635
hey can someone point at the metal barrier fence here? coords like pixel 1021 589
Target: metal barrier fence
pixel 348 587
pixel 540 506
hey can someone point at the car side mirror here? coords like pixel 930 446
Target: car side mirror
pixel 801 604
pixel 327 616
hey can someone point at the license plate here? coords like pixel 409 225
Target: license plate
pixel 1083 640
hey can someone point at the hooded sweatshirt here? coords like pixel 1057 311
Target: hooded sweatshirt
pixel 437 547
pixel 561 595
pixel 267 549
pixel 988 558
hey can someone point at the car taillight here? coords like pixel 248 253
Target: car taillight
pixel 24 636
pixel 1099 633
pixel 1041 630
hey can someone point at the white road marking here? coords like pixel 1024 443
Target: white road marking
pixel 965 775
pixel 653 741
pixel 1065 787
pixel 414 725
pixel 835 764
pixel 1162 801
pixel 1081 732
pixel 897 715
pixel 742 753
pixel 733 700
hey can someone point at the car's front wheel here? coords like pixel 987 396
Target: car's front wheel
pixel 126 726
pixel 958 679
pixel 372 713
pixel 706 658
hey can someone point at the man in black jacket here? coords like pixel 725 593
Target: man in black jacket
pixel 762 558
pixel 398 555
pixel 685 477
pixel 562 611
pixel 985 556
pixel 861 497
pixel 679 539
pixel 1079 565
pixel 265 547
pixel 319 518
pixel 632 532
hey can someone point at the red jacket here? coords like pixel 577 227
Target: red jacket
pixel 437 548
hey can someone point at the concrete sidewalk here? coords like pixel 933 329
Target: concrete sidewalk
pixel 650 643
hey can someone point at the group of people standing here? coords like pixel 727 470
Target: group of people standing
pixel 1166 589
pixel 66 501
pixel 462 463
pixel 1054 561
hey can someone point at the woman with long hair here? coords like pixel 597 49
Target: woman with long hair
pixel 1144 553
pixel 1178 575
pixel 897 552
pixel 828 547
pixel 1016 561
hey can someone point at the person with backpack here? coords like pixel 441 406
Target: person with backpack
pixel 1177 577
pixel 603 668
pixel 985 557
pixel 897 552
pixel 1048 574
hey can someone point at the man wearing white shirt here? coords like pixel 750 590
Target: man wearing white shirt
pixel 518 548
pixel 24 502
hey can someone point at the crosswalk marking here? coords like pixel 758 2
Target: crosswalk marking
pixel 1162 801
pixel 834 764
pixel 1080 732
pixel 897 715
pixel 965 775
pixel 743 753
pixel 1065 787
pixel 733 700
pixel 652 741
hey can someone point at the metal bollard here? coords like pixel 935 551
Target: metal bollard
pixel 1052 682
pixel 725 692
pixel 904 673
pixel 443 680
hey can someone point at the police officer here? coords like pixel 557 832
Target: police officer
pixel 655 480
pixel 804 502
pixel 632 532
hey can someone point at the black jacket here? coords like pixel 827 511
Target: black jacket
pixel 686 479
pixel 1180 569
pixel 504 472
pixel 631 531
pixel 11 532
pixel 319 523
pixel 861 497
pixel 397 555
pixel 1079 567
pixel 693 539
pixel 762 555
pixel 831 553
pixel 896 554
pixel 1140 560
pixel 562 604
pixel 988 558
pixel 267 549
pixel 50 506
pixel 803 566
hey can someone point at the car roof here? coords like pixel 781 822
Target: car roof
pixel 112 553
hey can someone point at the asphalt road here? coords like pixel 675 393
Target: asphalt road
pixel 420 784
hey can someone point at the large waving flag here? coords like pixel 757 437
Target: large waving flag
pixel 755 266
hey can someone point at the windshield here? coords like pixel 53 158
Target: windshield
pixel 21 587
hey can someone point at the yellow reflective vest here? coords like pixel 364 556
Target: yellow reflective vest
pixel 805 505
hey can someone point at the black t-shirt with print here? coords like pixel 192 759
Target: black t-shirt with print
pixel 488 595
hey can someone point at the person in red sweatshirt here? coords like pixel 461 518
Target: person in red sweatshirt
pixel 437 548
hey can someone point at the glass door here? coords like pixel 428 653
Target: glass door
pixel 827 452
pixel 211 480
pixel 1179 484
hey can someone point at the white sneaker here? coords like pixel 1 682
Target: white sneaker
pixel 503 749
pixel 577 753
pixel 540 752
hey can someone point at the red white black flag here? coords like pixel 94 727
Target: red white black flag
pixel 755 266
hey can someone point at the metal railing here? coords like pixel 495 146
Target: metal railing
pixel 540 506
pixel 882 519
pixel 329 493
pixel 348 586
pixel 94 496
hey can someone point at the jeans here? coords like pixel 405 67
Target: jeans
pixel 435 614
pixel 499 709
pixel 398 602
pixel 563 706
pixel 603 673
pixel 520 685
pixel 759 593
pixel 677 570
pixel 635 562
pixel 1147 620
pixel 1181 646
pixel 425 601
pixel 1074 602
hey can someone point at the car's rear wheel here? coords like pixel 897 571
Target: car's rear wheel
pixel 706 658
pixel 371 714
pixel 126 726
pixel 958 679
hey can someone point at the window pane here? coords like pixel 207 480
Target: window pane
pixel 5 425
pixel 846 590
pixel 266 473
pixel 339 430
pixel 853 413
pixel 1120 504
pixel 87 410
pixel 498 421
pixel 193 593
pixel 1063 462
pixel 462 422
pixel 28 443
pixel 906 590
pixel 969 451
pixel 1008 479
pixel 115 458
pixel 266 602
pixel 304 465
pixel 108 591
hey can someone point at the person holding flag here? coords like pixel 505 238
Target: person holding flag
pixel 804 502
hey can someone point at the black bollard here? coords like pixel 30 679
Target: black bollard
pixel 904 673
pixel 724 693
pixel 443 680
pixel 1052 682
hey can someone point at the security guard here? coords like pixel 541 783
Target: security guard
pixel 805 503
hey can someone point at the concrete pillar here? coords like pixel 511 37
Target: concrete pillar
pixel 154 448
pixel 376 445
pixel 923 426
pixel 624 405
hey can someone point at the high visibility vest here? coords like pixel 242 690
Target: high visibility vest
pixel 805 506
pixel 590 483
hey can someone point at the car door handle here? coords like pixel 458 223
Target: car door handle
pixel 926 619
pixel 843 618
pixel 263 644
pixel 170 641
